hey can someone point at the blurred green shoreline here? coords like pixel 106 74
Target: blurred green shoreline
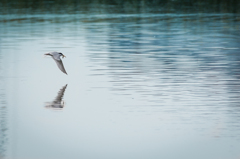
pixel 118 6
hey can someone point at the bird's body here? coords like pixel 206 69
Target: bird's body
pixel 56 57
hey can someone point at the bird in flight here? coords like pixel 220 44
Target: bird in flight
pixel 56 57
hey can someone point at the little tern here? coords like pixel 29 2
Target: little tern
pixel 56 57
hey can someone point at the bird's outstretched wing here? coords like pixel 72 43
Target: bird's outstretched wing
pixel 60 65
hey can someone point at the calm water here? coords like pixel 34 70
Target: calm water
pixel 138 86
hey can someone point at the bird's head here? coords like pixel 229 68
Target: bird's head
pixel 61 54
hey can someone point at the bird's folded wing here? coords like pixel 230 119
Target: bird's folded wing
pixel 60 65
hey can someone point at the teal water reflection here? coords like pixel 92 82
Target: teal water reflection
pixel 139 86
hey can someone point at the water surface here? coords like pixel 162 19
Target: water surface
pixel 139 85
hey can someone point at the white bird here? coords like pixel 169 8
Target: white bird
pixel 58 103
pixel 56 57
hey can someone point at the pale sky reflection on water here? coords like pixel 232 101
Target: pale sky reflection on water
pixel 138 86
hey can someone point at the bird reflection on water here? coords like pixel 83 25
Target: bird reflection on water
pixel 58 103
